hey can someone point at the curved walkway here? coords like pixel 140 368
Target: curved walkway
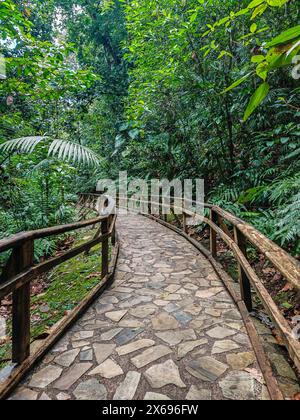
pixel 167 329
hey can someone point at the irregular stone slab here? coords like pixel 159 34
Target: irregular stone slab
pixel 196 394
pixel 72 375
pixel 109 335
pixel 182 317
pixel 90 390
pixel 130 323
pixel 24 394
pixel 67 358
pixel 172 288
pixel 135 346
pixel 82 335
pixel 44 397
pixel 127 335
pixel 288 388
pixel 124 267
pixel 121 289
pixel 282 367
pixel 108 369
pixel 44 377
pixel 193 310
pixel 127 389
pixel 150 355
pixel 173 297
pixel 206 368
pixel 62 345
pixel 122 296
pixel 191 286
pixel 6 371
pixel 235 325
pixel 160 302
pixel 240 361
pixel 108 300
pixel 164 374
pixel 86 355
pixel 135 301
pixel 164 322
pixel 187 347
pixel 176 337
pixel 238 386
pixel 62 396
pixel 80 344
pixel 97 325
pixel 103 351
pixel 208 293
pixel 232 314
pixel 143 311
pixel 157 285
pixel 242 339
pixel 213 312
pixel 223 346
pixel 139 279
pixel 102 308
pixel 171 307
pixel 116 316
pixel 154 396
pixel 220 332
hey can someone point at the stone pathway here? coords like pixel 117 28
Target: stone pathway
pixel 166 330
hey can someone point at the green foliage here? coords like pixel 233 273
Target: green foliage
pixel 175 89
pixel 62 149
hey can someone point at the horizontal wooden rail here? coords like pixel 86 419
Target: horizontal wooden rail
pixel 20 269
pixel 20 238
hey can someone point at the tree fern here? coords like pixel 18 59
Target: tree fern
pixel 62 149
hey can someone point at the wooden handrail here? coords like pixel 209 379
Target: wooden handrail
pixel 20 269
pixel 288 266
pixel 19 238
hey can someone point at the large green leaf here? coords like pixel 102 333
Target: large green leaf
pixel 285 37
pixel 256 99
pixel 237 83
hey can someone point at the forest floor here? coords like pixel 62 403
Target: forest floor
pixel 53 295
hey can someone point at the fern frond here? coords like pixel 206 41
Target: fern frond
pixel 62 149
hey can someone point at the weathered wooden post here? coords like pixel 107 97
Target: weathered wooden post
pixel 105 247
pixel 22 258
pixel 184 217
pixel 245 285
pixel 213 235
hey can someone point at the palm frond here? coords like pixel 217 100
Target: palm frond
pixel 23 144
pixel 73 152
pixel 62 149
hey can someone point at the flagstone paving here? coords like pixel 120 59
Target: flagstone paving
pixel 166 329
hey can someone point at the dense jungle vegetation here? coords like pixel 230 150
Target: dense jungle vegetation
pixel 160 88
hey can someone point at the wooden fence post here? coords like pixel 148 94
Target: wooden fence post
pixel 245 285
pixel 213 235
pixel 113 235
pixel 105 248
pixel 23 257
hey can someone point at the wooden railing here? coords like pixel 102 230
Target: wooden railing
pixel 243 233
pixel 20 270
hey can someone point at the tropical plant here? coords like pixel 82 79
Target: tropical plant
pixel 62 149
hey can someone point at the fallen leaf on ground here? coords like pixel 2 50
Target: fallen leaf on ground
pixel 255 373
pixel 288 287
